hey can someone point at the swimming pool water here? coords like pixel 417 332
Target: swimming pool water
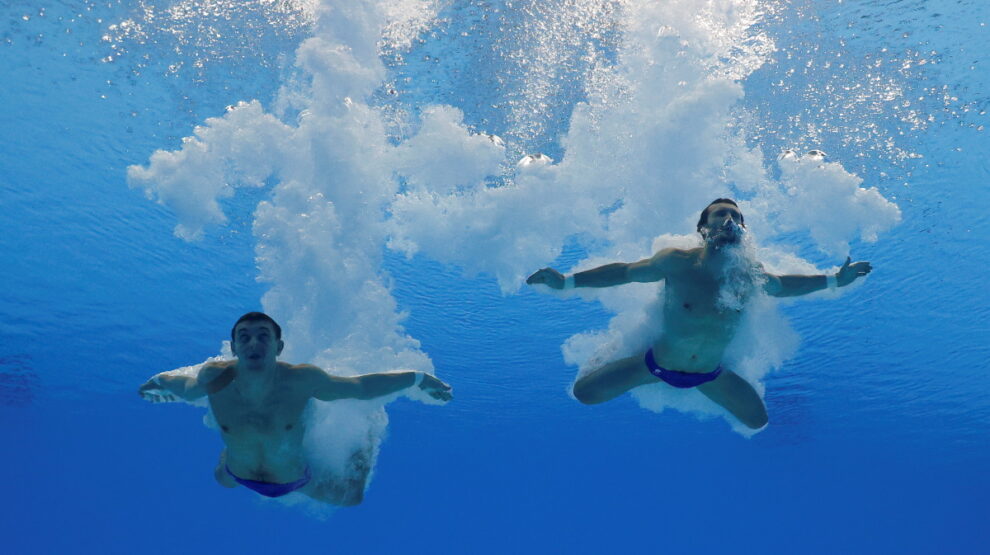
pixel 879 418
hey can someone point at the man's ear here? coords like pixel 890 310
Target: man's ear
pixel 281 345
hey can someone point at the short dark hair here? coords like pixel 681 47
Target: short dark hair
pixel 704 213
pixel 256 317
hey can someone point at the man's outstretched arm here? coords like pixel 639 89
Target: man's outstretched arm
pixel 370 386
pixel 793 286
pixel 617 273
pixel 172 386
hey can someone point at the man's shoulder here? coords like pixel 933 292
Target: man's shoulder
pixel 213 368
pixel 673 256
pixel 299 367
pixel 215 375
pixel 219 364
pixel 301 371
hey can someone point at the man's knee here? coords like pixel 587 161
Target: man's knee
pixel 352 498
pixel 586 394
pixel 757 419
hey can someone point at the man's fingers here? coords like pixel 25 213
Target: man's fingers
pixel 159 396
pixel 540 276
pixel 441 395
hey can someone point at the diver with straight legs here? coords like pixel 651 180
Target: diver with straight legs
pixel 698 323
pixel 258 403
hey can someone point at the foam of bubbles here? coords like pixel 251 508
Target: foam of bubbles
pixel 237 150
pixel 651 147
pixel 197 35
pixel 319 235
pixel 654 143
pixel 444 156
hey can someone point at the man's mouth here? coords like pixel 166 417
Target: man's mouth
pixel 727 235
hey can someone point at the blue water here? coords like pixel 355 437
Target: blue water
pixel 879 419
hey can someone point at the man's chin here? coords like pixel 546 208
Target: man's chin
pixel 722 242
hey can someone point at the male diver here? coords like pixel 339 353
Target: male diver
pixel 258 404
pixel 698 323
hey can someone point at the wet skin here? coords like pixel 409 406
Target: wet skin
pixel 258 403
pixel 697 329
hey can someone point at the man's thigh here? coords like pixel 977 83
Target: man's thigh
pixel 738 397
pixel 613 379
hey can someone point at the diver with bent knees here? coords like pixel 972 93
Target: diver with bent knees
pixel 699 324
pixel 258 403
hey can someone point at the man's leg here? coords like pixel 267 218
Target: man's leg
pixel 613 379
pixel 345 491
pixel 221 474
pixel 738 397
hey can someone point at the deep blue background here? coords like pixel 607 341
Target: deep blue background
pixel 879 435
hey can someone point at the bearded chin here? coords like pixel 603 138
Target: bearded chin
pixel 741 274
pixel 724 240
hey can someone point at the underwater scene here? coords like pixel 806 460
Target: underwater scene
pixel 560 276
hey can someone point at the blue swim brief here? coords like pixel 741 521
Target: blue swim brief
pixel 677 378
pixel 269 489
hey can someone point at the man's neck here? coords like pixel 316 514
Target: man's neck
pixel 713 256
pixel 718 257
pixel 255 380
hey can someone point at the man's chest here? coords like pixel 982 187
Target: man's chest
pixel 277 414
pixel 692 294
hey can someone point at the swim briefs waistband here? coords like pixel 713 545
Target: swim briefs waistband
pixel 269 489
pixel 676 378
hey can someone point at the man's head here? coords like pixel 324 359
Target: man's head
pixel 721 223
pixel 256 338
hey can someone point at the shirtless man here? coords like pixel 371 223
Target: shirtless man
pixel 258 403
pixel 698 327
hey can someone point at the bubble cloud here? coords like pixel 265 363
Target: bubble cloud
pixel 653 143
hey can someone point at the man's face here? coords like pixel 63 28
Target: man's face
pixel 724 225
pixel 255 343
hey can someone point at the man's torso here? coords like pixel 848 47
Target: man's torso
pixel 263 433
pixel 697 329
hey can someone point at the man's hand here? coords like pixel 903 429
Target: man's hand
pixel 154 392
pixel 547 276
pixel 436 388
pixel 850 271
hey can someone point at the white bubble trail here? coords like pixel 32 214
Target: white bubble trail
pixel 320 232
pixel 655 142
